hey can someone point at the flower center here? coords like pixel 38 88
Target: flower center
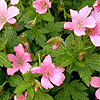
pixel 2 19
pixel 79 24
pixel 44 5
pixel 19 61
pixel 48 73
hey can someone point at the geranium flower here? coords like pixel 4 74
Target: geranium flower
pixel 13 2
pixel 95 82
pixel 80 21
pixel 50 73
pixel 20 61
pixel 95 32
pixel 21 97
pixel 96 5
pixel 6 15
pixel 41 6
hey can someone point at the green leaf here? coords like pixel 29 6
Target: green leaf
pixel 5 95
pixel 93 61
pixel 74 89
pixel 42 96
pixel 15 80
pixel 4 61
pixel 47 17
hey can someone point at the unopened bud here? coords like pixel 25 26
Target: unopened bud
pixel 56 45
pixel 32 22
pixel 51 40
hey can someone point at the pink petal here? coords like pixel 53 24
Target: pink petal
pixel 95 82
pixel 84 12
pixel 54 47
pixel 12 57
pixel 27 57
pixel 26 67
pixel 41 10
pixel 73 13
pixel 80 32
pixel 36 70
pixel 98 94
pixel 57 78
pixel 26 93
pixel 13 2
pixel 12 12
pixel 48 3
pixel 46 83
pixel 60 69
pixel 47 59
pixel 3 7
pixel 95 39
pixel 11 71
pixel 90 22
pixel 68 25
pixel 21 97
pixel 19 50
pixel 11 20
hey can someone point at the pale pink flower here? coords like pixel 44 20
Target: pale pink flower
pixel 20 61
pixel 96 5
pixel 95 32
pixel 50 73
pixel 13 2
pixel 6 15
pixel 80 21
pixel 41 6
pixel 21 97
pixel 95 82
pixel 54 47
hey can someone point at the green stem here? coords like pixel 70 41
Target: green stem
pixel 5 31
pixel 39 59
pixel 3 84
pixel 63 42
pixel 49 11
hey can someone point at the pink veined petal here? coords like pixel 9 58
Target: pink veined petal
pixel 73 13
pixel 95 39
pixel 19 50
pixel 11 20
pixel 46 83
pixel 26 93
pixel 3 7
pixel 36 70
pixel 54 47
pixel 11 71
pixel 98 94
pixel 12 12
pixel 21 97
pixel 48 3
pixel 24 68
pixel 80 32
pixel 84 12
pixel 47 59
pixel 12 57
pixel 13 2
pixel 90 22
pixel 60 69
pixel 57 78
pixel 95 82
pixel 41 10
pixel 68 25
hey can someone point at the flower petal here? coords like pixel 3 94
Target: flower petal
pixel 11 20
pixel 57 78
pixel 73 13
pixel 47 59
pixel 98 94
pixel 90 22
pixel 27 57
pixel 26 67
pixel 12 57
pixel 46 83
pixel 95 39
pixel 80 32
pixel 84 12
pixel 3 7
pixel 19 50
pixel 13 2
pixel 68 25
pixel 36 70
pixel 95 82
pixel 60 69
pixel 12 12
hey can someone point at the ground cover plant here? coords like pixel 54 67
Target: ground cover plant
pixel 49 50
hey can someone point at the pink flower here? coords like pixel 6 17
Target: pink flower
pixel 20 61
pixel 21 97
pixel 6 15
pixel 41 6
pixel 95 32
pixel 95 82
pixel 13 2
pixel 55 47
pixel 80 21
pixel 96 5
pixel 50 73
